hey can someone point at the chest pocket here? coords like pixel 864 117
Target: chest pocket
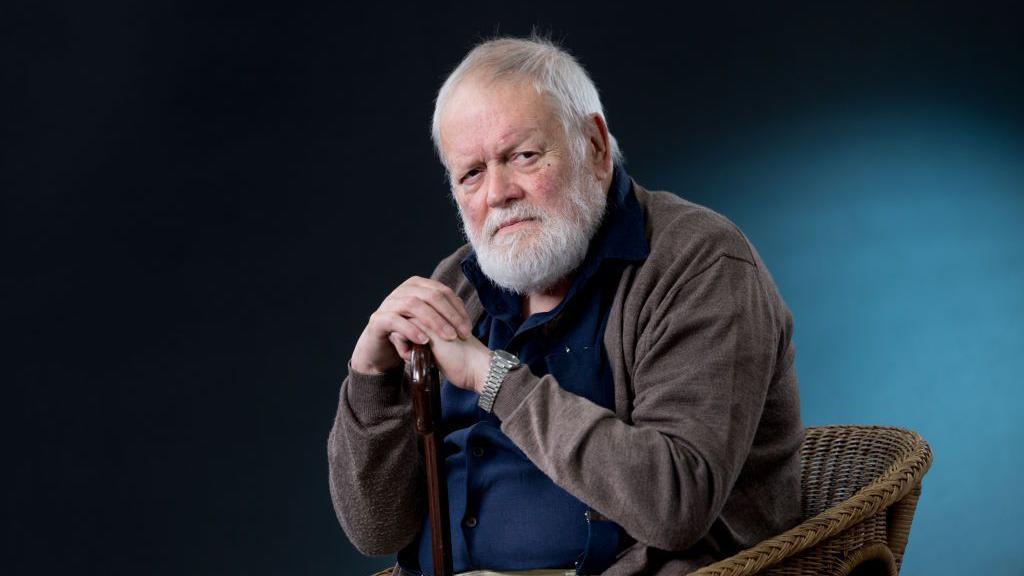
pixel 584 371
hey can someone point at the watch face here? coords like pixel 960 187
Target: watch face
pixel 507 357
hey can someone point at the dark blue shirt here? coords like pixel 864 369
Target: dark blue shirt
pixel 506 514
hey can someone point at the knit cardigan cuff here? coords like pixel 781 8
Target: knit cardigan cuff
pixel 518 384
pixel 375 395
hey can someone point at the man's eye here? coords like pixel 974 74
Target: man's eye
pixel 526 156
pixel 469 175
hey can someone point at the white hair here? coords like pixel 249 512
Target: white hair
pixel 553 72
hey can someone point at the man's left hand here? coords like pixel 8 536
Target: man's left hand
pixel 464 361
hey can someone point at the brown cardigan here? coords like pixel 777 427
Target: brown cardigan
pixel 700 458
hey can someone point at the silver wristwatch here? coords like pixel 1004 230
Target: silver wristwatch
pixel 501 363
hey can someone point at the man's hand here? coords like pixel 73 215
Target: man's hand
pixel 417 307
pixel 464 361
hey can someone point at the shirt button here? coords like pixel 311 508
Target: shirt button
pixel 477 451
pixel 471 522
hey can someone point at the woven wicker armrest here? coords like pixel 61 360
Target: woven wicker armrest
pixel 902 479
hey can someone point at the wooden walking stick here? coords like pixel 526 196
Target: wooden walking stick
pixel 425 387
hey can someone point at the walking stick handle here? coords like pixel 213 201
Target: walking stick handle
pixel 425 388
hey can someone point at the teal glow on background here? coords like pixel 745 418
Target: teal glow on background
pixel 896 236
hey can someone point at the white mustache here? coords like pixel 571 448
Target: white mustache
pixel 519 211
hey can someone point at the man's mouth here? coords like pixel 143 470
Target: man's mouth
pixel 511 223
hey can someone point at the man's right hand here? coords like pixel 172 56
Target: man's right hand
pixel 401 319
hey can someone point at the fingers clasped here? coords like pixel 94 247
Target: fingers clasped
pixel 414 311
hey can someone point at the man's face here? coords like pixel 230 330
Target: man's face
pixel 528 199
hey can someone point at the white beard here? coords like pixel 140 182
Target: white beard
pixel 536 257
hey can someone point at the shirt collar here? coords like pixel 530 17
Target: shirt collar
pixel 621 236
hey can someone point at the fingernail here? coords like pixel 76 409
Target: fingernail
pixel 424 339
pixel 449 331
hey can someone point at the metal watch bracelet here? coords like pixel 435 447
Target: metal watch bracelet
pixel 501 363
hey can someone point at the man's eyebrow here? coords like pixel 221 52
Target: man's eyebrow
pixel 514 138
pixel 517 139
pixel 461 165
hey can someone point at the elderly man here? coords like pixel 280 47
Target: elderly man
pixel 619 396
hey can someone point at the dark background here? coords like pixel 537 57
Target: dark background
pixel 202 202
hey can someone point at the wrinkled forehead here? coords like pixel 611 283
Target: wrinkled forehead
pixel 482 116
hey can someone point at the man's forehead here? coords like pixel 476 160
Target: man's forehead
pixel 483 118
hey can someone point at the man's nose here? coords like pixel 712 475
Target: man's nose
pixel 502 187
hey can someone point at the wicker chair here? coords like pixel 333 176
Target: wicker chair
pixel 860 491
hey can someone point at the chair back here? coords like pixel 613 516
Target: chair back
pixel 860 486
pixel 840 460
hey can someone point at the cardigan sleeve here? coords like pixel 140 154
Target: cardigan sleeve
pixel 377 480
pixel 701 372
pixel 376 472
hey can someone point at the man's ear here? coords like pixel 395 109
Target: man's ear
pixel 599 151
